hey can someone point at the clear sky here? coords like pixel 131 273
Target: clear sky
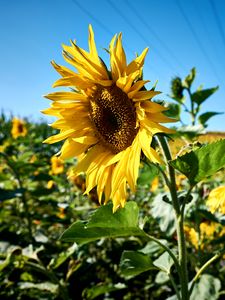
pixel 180 34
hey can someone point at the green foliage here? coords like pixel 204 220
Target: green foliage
pixel 110 256
pixel 174 111
pixel 188 80
pixel 201 95
pixel 101 289
pixel 147 174
pixel 164 262
pixel 196 98
pixel 103 223
pixel 177 89
pixel 201 163
pixel 164 214
pixel 133 263
pixel 208 287
pixel 203 118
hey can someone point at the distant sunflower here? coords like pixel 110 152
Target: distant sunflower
pixel 57 165
pixel 107 118
pixel 18 128
pixel 216 200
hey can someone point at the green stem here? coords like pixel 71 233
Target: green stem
pixel 202 269
pixel 172 185
pixel 175 286
pixel 179 213
pixel 182 256
pixel 192 112
pixel 173 256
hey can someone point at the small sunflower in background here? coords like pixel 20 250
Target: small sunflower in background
pixel 207 232
pixel 216 200
pixel 57 165
pixel 107 118
pixel 18 128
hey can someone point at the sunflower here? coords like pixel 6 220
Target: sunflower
pixel 57 165
pixel 216 200
pixel 18 128
pixel 107 118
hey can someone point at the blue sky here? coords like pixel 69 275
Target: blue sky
pixel 180 34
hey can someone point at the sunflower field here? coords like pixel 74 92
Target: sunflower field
pixel 161 237
pixel 38 203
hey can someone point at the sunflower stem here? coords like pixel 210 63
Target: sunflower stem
pixel 172 255
pixel 202 269
pixel 179 213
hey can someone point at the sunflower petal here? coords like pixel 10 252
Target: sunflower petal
pixel 137 63
pixel 142 95
pixel 62 96
pixel 72 149
pixel 59 137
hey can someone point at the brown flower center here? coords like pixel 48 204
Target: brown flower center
pixel 114 117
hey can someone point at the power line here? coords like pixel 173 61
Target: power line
pixel 139 33
pixel 197 40
pixel 102 25
pixel 93 17
pixel 204 26
pixel 163 44
pixel 222 34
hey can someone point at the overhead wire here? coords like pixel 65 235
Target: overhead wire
pixel 87 12
pixel 146 24
pixel 158 52
pixel 100 24
pixel 197 40
pixel 218 22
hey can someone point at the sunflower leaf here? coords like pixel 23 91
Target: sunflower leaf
pixel 163 213
pixel 208 287
pixel 189 78
pixel 203 118
pixel 200 96
pixel 105 224
pixel 164 262
pixel 201 163
pixel 133 263
pixel 100 289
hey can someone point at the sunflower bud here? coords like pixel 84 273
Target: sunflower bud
pixel 177 88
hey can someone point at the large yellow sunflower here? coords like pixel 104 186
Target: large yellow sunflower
pixel 107 118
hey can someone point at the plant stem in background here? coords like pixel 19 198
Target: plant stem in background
pixel 179 213
pixel 192 111
pixel 23 198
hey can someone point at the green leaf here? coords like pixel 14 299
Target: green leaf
pixel 147 174
pixel 189 78
pixel 133 263
pixel 153 249
pixel 104 223
pixel 200 96
pixel 203 118
pixel 207 288
pixel 161 277
pixel 9 194
pixel 164 214
pixel 62 257
pixel 173 111
pixel 100 289
pixel 164 262
pixel 201 163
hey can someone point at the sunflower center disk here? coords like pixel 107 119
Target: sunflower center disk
pixel 114 117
